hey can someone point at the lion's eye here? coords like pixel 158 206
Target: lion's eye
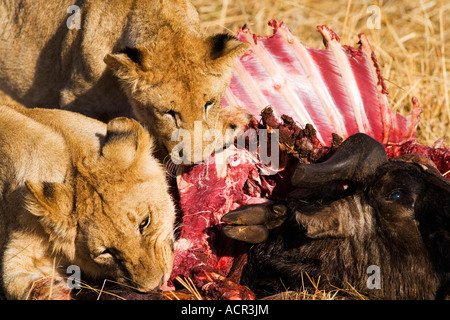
pixel 104 255
pixel 209 103
pixel 173 115
pixel 144 224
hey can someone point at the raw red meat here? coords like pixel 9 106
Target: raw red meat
pixel 207 192
pixel 439 154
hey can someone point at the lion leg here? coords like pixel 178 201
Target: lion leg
pixel 29 272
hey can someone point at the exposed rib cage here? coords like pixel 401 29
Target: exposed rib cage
pixel 338 89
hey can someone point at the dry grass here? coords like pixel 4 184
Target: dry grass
pixel 315 291
pixel 410 44
pixel 311 289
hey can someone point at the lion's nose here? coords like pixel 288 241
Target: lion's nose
pixel 152 285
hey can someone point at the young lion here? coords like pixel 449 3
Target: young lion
pixel 76 191
pixel 118 58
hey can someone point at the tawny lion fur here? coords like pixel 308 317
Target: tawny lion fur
pixel 76 191
pixel 145 58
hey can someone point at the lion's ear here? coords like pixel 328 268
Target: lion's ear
pixel 225 49
pixel 126 144
pixel 128 60
pixel 53 203
pixel 50 198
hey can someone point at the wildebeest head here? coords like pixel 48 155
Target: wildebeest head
pixel 355 210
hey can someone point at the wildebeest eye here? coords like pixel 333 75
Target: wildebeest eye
pixel 144 224
pixel 394 195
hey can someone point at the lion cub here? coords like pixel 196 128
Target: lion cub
pixel 78 192
pixel 109 58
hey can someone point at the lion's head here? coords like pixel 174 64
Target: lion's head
pixel 114 217
pixel 177 89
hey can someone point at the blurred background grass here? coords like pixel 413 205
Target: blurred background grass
pixel 410 42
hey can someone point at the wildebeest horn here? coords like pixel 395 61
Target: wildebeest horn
pixel 355 159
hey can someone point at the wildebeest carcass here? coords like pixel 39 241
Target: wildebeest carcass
pixel 315 95
pixel 354 213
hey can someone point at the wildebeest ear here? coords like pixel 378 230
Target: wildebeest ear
pixel 129 59
pixel 53 203
pixel 432 212
pixel 225 49
pixel 126 142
